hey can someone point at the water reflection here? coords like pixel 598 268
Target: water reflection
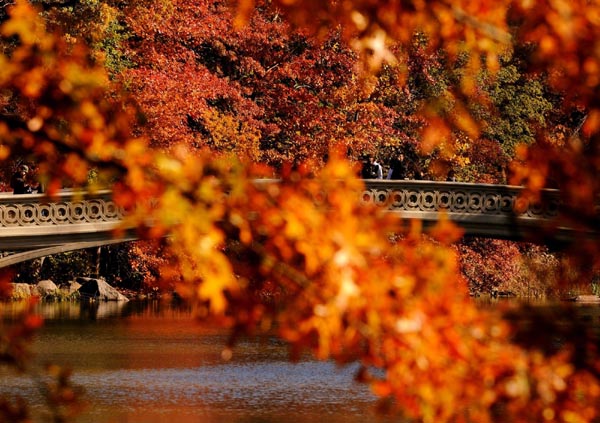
pixel 153 363
pixel 85 310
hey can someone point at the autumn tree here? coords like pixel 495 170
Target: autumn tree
pixel 561 38
pixel 265 91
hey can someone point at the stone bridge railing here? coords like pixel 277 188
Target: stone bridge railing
pixel 72 220
pixel 487 210
pixel 35 221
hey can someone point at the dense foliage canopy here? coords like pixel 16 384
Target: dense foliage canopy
pixel 197 81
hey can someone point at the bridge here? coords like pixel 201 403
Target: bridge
pixel 34 226
pixel 484 210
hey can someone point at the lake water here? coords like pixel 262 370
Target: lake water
pixel 151 363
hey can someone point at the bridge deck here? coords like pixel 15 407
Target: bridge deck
pixel 30 223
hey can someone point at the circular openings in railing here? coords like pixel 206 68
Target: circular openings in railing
pixel 506 203
pixel 475 202
pixel 459 201
pixel 367 197
pixel 536 209
pixel 44 213
pixel 491 203
pixel 111 211
pixel 444 200
pixel 397 199
pixel 60 213
pixel 429 200
pixel 28 214
pixel 77 212
pixel 381 197
pixel 11 215
pixel 95 210
pixel 413 200
pixel 521 205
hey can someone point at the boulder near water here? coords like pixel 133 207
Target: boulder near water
pixel 586 299
pixel 22 290
pixel 98 289
pixel 46 287
pixel 71 287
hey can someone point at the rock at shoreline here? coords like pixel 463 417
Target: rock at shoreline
pixel 99 289
pixel 72 287
pixel 23 290
pixel 41 289
pixel 45 287
pixel 586 299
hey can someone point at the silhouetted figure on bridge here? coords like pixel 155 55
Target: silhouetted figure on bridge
pixel 378 168
pixel 369 168
pixel 419 173
pixel 398 168
pixel 19 182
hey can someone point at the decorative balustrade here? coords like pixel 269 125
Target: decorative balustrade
pixel 66 208
pixel 480 209
pixel 462 198
pixel 31 221
pixel 35 221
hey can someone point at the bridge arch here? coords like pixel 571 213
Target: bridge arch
pixel 33 225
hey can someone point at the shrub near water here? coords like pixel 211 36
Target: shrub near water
pixel 62 268
pixel 522 269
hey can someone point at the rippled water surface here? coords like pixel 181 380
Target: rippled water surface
pixel 151 364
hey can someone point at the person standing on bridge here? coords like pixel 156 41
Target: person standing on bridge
pixel 398 168
pixel 19 182
pixel 378 168
pixel 369 169
pixel 418 173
